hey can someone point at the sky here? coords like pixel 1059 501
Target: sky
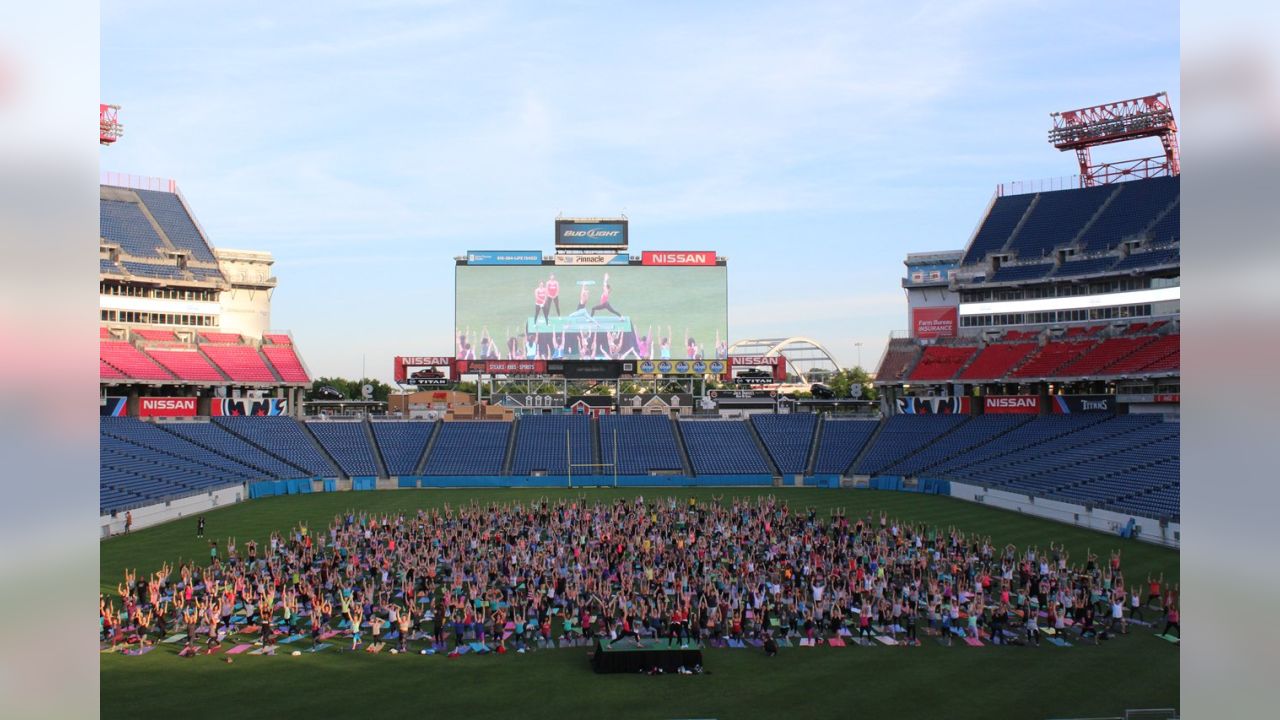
pixel 814 144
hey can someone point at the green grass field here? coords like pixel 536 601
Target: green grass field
pixel 931 681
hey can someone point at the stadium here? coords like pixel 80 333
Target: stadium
pixel 630 491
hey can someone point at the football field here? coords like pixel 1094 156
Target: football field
pixel 931 681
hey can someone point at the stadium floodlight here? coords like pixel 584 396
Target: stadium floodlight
pixel 1144 117
pixel 109 127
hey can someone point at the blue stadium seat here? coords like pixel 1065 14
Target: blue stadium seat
pixel 469 448
pixel 788 439
pixel 645 444
pixel 903 435
pixel 841 442
pixel 402 444
pixel 215 438
pixel 123 223
pixel 172 217
pixel 997 226
pixel 543 443
pixel 284 438
pixel 348 444
pixel 722 447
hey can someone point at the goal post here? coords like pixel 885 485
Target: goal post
pixel 568 448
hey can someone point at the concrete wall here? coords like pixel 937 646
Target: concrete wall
pixel 164 512
pixel 1105 521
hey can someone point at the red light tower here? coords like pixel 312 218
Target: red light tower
pixel 1143 117
pixel 109 128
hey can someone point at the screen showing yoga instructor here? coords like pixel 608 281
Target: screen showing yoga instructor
pixel 601 312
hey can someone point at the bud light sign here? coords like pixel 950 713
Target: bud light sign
pixel 593 234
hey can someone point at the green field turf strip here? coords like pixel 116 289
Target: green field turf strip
pixel 1138 670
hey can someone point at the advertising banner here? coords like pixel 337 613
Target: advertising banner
pixel 508 367
pixel 934 405
pixel 612 312
pixel 593 259
pixel 504 257
pixel 403 363
pixel 1023 404
pixel 166 407
pixel 231 407
pixel 742 394
pixel 113 406
pixel 694 258
pixel 933 322
pixel 606 233
pixel 931 273
pixel 777 364
pixel 1068 404
pixel 681 367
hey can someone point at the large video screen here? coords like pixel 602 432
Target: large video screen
pixel 591 312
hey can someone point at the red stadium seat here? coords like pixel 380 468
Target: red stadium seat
pixel 941 362
pixel 165 335
pixel 219 337
pixel 1103 355
pixel 240 362
pixel 286 363
pixel 186 364
pixel 130 361
pixel 996 360
pixel 1051 356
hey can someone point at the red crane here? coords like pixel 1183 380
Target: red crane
pixel 1143 117
pixel 110 128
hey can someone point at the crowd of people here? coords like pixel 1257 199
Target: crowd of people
pixel 517 576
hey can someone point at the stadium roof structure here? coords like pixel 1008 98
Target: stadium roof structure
pixel 804 355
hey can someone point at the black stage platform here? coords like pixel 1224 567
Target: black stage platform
pixel 626 656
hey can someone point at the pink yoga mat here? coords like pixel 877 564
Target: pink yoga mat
pixel 835 642
pixel 974 642
pixel 239 649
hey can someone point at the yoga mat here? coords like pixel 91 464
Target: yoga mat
pixel 1059 642
pixel 942 641
pixel 292 639
pixel 462 649
pixel 717 643
pixel 140 651
pixel 737 644
pixel 886 640
pixel 755 643
pixel 783 642
pixel 239 649
pixel 972 642
pixel 1171 638
pixel 836 642
pixel 806 642
pixel 318 648
pixel 844 632
pixel 864 642
pixel 479 647
pixel 175 638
